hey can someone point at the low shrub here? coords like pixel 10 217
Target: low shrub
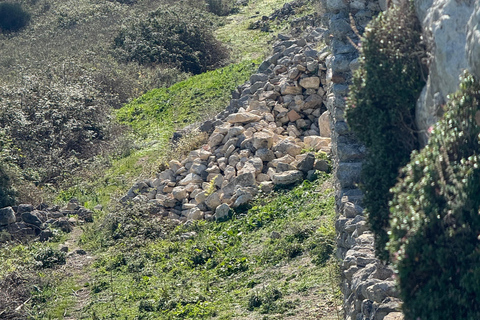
pixel 53 125
pixel 434 239
pixel 220 7
pixel 179 36
pixel 7 191
pixel 382 107
pixel 12 17
pixel 48 257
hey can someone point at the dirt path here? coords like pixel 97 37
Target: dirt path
pixel 78 261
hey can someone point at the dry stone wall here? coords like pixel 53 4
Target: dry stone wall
pixel 368 285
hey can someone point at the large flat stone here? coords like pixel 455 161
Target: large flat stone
pixel 287 178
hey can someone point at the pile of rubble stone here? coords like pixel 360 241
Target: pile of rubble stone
pixel 267 137
pixel 25 222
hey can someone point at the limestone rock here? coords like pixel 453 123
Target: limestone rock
pixel 191 178
pixel 31 218
pixel 313 101
pixel 449 38
pixel 317 143
pixel 215 139
pixel 179 193
pixel 195 214
pixel 221 212
pixel 310 82
pixel 265 154
pixel 200 197
pixel 7 216
pixel 262 140
pixel 243 197
pixel 289 88
pixel 306 164
pixel 213 201
pixel 288 147
pixel 473 41
pixel 394 316
pixel 287 178
pixel 260 106
pixel 24 208
pixel 267 186
pixel 167 201
pixel 324 124
pixel 262 177
pixel 244 117
pixel 293 116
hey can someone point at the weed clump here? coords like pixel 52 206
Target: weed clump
pixel 12 17
pixel 179 36
pixel 382 108
pixel 48 257
pixel 434 239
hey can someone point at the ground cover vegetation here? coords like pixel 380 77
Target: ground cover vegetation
pixel 174 35
pixel 383 96
pixel 63 78
pixel 271 261
pixel 12 17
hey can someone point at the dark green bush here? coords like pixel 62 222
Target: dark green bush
pixel 178 36
pixel 48 257
pixel 12 17
pixel 381 109
pixel 435 242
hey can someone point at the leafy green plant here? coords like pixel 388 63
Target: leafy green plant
pixel 434 240
pixel 12 17
pixel 48 257
pixel 175 35
pixel 381 109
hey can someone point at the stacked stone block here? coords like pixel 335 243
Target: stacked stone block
pixel 368 285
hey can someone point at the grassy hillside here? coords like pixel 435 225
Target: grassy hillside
pixel 160 111
pixel 270 261
pixel 66 52
pixel 153 118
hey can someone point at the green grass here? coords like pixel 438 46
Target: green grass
pixel 55 295
pixel 159 112
pixel 235 269
pixel 249 44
